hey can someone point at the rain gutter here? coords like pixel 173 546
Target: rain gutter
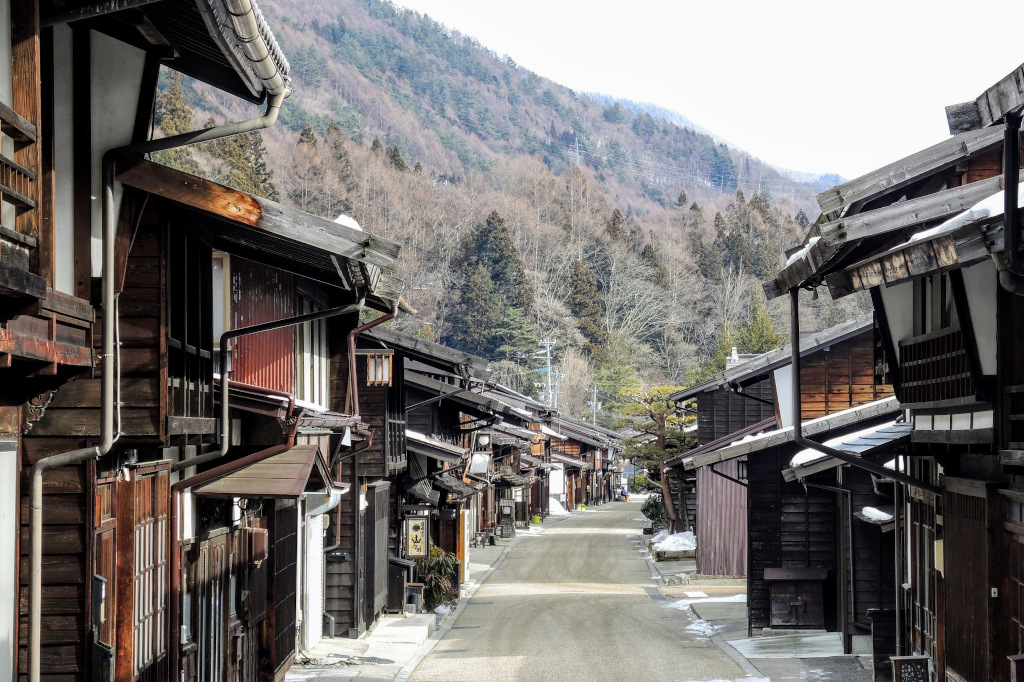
pixel 1012 278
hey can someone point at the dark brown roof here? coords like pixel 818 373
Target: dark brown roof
pixel 287 475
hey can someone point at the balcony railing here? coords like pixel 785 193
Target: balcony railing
pixel 935 367
pixel 17 183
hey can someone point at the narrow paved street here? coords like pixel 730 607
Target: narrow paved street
pixel 577 602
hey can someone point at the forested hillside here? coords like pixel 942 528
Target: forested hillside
pixel 527 212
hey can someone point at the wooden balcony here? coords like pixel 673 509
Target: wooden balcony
pixel 936 369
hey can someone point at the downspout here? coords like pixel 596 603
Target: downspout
pixel 175 569
pixel 798 437
pixel 108 302
pixel 1012 278
pixel 353 383
pixel 225 372
pixel 846 562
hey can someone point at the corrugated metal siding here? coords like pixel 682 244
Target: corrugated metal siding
pixel 721 522
pixel 263 294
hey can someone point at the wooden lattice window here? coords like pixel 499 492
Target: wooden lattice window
pixel 150 573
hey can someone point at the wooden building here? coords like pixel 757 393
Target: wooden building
pixel 172 543
pixel 744 399
pixel 934 238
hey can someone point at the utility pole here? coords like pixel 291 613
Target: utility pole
pixel 547 353
pixel 593 406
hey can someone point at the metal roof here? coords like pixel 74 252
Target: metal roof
pixel 435 449
pixel 760 427
pixel 750 444
pixel 286 475
pixel 863 443
pixel 571 461
pixel 762 365
pixel 428 351
pixel 271 233
pixel 477 402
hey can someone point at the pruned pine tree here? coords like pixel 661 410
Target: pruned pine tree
pixel 652 415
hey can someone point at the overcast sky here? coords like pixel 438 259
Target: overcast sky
pixel 809 85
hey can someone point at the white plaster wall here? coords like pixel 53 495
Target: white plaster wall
pixel 556 479
pixel 782 379
pixel 8 553
pixel 116 77
pixel 64 161
pixel 899 310
pixel 313 578
pixel 981 282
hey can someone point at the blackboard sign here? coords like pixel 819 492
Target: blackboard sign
pixel 910 669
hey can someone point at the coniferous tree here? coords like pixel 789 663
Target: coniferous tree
pixel 305 177
pixel 173 116
pixel 615 226
pixel 339 181
pixel 244 163
pixel 494 300
pixel 759 334
pixel 394 155
pixel 376 146
pixel 586 306
pixel 649 257
pixel 681 200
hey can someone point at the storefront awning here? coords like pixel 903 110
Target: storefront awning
pixel 435 449
pixel 450 483
pixel 570 461
pixel 287 475
pixel 862 443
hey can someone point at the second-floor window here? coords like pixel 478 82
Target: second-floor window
pixel 312 358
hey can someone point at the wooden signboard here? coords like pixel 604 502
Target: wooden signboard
pixel 417 537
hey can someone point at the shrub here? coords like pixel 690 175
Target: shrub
pixel 638 484
pixel 654 509
pixel 440 578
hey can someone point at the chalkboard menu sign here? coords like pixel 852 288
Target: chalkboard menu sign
pixel 910 669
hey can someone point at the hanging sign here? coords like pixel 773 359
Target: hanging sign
pixel 417 539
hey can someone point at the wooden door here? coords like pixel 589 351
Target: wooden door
pixel 210 607
pixel 966 612
pixel 376 549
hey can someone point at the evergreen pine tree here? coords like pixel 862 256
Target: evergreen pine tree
pixel 649 257
pixel 759 334
pixel 681 200
pixel 615 226
pixel 305 177
pixel 587 307
pixel 394 155
pixel 173 116
pixel 339 180
pixel 376 147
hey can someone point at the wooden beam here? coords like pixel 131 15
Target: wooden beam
pixel 912 213
pixel 905 171
pixel 54 12
pixel 256 212
pixel 1006 96
pixel 963 117
pixel 81 50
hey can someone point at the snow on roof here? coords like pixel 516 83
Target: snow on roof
pixel 986 208
pixel 810 455
pixel 766 439
pixel 876 514
pixel 348 221
pixel 797 255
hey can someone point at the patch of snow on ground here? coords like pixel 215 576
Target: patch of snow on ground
pixel 684 604
pixel 702 627
pixel 555 508
pixel 443 609
pixel 660 537
pixel 675 543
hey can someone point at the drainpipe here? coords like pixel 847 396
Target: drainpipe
pixel 175 569
pixel 798 436
pixel 108 302
pixel 225 372
pixel 353 383
pixel 1012 278
pixel 845 563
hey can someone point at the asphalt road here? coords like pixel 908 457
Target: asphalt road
pixel 576 603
